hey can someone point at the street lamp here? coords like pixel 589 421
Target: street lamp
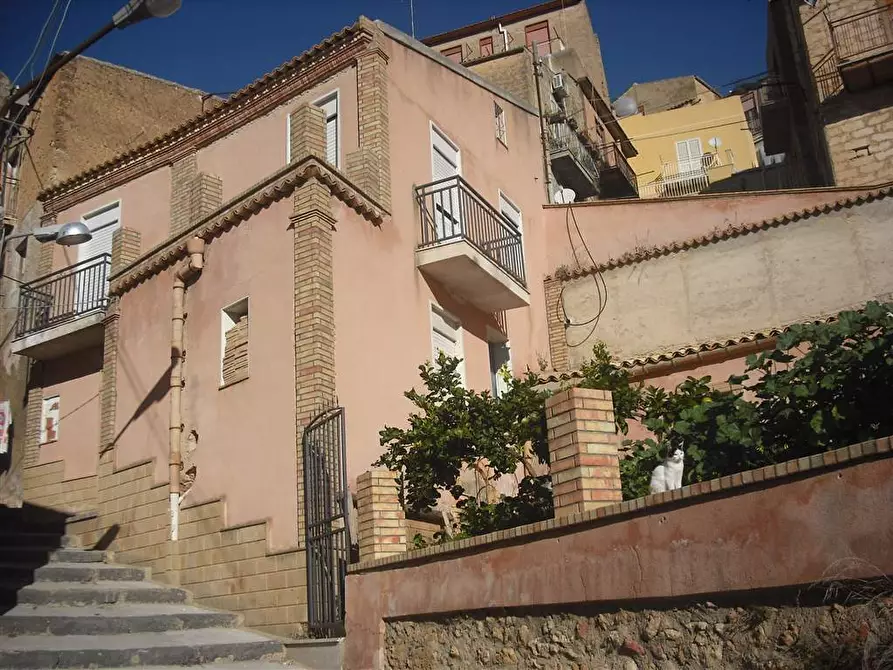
pixel 133 12
pixel 66 234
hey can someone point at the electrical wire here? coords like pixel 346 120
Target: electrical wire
pixel 600 285
pixel 37 45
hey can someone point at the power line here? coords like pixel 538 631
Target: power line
pixel 37 44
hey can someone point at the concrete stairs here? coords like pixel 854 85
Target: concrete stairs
pixel 64 607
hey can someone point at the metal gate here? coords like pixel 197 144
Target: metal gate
pixel 326 515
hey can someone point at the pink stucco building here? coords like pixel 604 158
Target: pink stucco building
pixel 317 236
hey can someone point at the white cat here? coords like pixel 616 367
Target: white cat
pixel 668 475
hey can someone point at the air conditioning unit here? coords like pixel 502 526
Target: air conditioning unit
pixel 558 88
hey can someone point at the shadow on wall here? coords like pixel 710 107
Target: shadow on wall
pixel 845 105
pixel 156 394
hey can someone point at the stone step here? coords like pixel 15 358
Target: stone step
pixel 110 619
pixel 235 665
pixel 100 593
pixel 88 573
pixel 37 556
pixel 80 556
pixel 190 647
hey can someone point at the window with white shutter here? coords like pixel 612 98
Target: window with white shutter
pixel 445 163
pixel 500 361
pixel 102 223
pixel 329 106
pixel 688 155
pixel 446 337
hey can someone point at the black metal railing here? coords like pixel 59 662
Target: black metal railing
pixel 63 295
pixel 611 157
pixel 861 34
pixel 452 210
pixel 561 137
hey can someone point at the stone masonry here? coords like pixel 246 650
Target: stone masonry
pixel 584 460
pixel 382 521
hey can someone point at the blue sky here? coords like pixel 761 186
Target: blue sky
pixel 221 45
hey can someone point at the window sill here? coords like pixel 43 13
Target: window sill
pixel 232 383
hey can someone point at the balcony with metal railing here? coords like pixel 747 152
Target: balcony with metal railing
pixel 63 311
pixel 689 178
pixel 573 164
pixel 618 179
pixel 863 45
pixel 468 246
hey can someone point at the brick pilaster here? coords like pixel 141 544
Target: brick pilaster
pixel 33 410
pixel 555 320
pixel 314 315
pixel 583 450
pixel 45 260
pixel 183 173
pixel 206 195
pixel 125 248
pixel 307 132
pixel 370 167
pixel 382 522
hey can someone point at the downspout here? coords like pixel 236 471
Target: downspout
pixel 505 37
pixel 187 271
pixel 537 74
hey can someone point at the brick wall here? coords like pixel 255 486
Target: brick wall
pixel 558 348
pixel 512 72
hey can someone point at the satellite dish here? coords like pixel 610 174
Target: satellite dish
pixel 715 142
pixel 565 196
pixel 625 106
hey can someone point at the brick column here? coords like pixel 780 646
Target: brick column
pixel 206 195
pixel 183 173
pixel 314 314
pixel 583 450
pixel 307 132
pixel 554 319
pixel 382 522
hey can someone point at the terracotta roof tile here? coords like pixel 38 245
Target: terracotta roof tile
pixel 725 234
pixel 203 118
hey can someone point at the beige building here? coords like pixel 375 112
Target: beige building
pixel 831 108
pixel 89 112
pixel 549 56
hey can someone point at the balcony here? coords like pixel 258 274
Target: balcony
pixel 691 178
pixel 618 180
pixel 63 311
pixel 863 44
pixel 469 247
pixel 572 163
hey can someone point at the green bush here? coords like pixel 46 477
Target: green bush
pixel 453 429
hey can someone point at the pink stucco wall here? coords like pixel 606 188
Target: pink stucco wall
pixel 257 149
pixel 145 207
pixel 76 380
pixel 787 534
pixel 382 302
pixel 614 228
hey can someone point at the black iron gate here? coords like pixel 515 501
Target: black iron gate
pixel 326 518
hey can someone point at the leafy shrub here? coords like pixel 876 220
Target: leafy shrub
pixel 453 429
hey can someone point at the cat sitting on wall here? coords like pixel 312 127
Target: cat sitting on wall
pixel 668 475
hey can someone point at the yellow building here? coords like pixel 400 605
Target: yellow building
pixel 684 151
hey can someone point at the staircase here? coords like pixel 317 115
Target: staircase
pixel 65 607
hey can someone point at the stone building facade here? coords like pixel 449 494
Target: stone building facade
pixel 89 112
pixel 549 56
pixel 832 108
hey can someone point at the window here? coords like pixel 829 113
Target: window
pixel 454 53
pixel 445 163
pixel 486 46
pixel 538 34
pixel 500 357
pixel 500 123
pixel 688 155
pixel 49 420
pixel 103 223
pixel 234 343
pixel 329 106
pixel 510 212
pixel 446 336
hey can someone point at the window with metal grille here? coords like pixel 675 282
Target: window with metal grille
pixel 500 124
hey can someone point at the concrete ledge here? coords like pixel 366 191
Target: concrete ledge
pixel 470 274
pixel 79 333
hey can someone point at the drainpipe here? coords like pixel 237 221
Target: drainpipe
pixel 537 77
pixel 505 37
pixel 188 270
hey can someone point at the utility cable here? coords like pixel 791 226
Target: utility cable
pixel 600 285
pixel 36 48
